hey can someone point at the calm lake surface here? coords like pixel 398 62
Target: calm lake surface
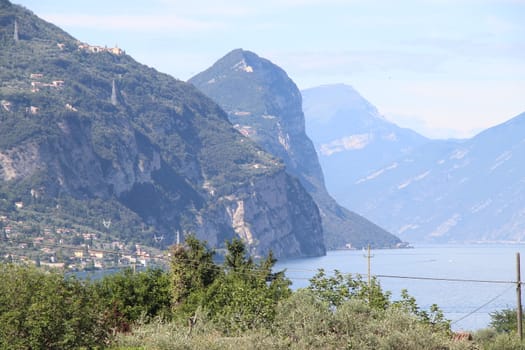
pixel 466 304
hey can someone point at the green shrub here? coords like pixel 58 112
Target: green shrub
pixel 160 335
pixel 502 341
pixel 306 322
pixel 42 310
pixel 128 296
pixel 504 321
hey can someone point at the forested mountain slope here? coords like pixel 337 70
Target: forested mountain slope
pixel 87 135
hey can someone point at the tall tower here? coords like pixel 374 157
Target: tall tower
pixel 15 32
pixel 114 100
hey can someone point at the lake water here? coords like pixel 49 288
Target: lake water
pixel 466 304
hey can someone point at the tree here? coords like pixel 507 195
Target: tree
pixel 238 295
pixel 237 258
pixel 340 288
pixel 504 321
pixel 192 272
pixel 246 294
pixel 128 296
pixel 308 321
pixel 434 317
pixel 43 310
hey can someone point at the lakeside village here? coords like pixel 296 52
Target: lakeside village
pixel 74 248
pixel 70 249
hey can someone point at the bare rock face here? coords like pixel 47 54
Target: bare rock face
pixel 270 213
pixel 264 104
pixel 88 135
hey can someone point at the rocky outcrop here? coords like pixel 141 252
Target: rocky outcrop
pixel 269 213
pixel 264 104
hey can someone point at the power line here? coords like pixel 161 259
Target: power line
pixel 416 277
pixel 481 307
pixel 447 279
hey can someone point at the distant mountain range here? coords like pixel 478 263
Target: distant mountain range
pixel 88 135
pixel 264 104
pixel 351 138
pixel 422 190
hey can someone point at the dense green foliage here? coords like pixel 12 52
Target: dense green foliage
pixel 245 294
pixel 192 272
pixel 490 339
pixel 45 310
pixel 504 321
pixel 40 310
pixel 238 295
pixel 238 303
pixel 128 297
pixel 339 288
pixel 306 321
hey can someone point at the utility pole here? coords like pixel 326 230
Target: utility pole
pixel 369 256
pixel 369 270
pixel 519 310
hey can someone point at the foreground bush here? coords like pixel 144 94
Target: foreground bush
pixel 491 339
pixel 42 310
pixel 161 335
pixel 128 296
pixel 306 322
pixel 238 295
pixel 302 322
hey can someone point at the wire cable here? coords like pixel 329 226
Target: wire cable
pixel 446 279
pixel 481 307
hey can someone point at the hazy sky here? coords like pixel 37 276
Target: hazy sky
pixel 447 68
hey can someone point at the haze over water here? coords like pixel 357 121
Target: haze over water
pixel 466 304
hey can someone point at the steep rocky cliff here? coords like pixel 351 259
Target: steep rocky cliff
pixel 264 104
pixel 265 218
pixel 89 135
